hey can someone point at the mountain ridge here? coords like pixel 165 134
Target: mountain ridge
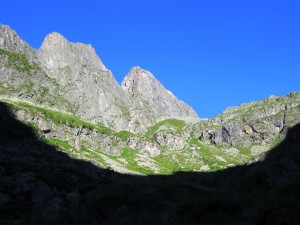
pixel 65 92
pixel 83 78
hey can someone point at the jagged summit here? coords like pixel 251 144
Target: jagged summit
pixel 88 88
pixel 53 39
pixel 11 41
pixel 135 76
pixel 87 82
pixel 58 40
pixel 57 52
pixel 138 71
pixel 152 98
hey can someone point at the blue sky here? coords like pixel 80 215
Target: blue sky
pixel 210 54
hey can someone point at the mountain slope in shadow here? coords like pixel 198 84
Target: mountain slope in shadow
pixel 41 185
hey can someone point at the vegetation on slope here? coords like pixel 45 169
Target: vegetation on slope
pixel 19 61
pixel 60 118
pixel 44 186
pixel 168 125
pixel 194 156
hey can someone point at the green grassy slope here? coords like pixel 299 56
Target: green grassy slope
pixel 195 156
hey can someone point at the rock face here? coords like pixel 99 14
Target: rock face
pixel 171 141
pixel 148 147
pixel 22 76
pixel 87 83
pixel 71 77
pixel 11 41
pixel 150 100
pixel 258 122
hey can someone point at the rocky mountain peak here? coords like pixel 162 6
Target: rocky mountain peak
pixel 137 78
pixel 57 53
pixel 150 97
pixel 138 71
pixel 10 40
pixel 54 39
pixel 91 90
pixel 87 83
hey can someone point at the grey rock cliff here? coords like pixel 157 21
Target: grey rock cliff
pixel 72 78
pixel 11 41
pixel 63 75
pixel 259 122
pixel 21 75
pixel 150 100
pixel 88 85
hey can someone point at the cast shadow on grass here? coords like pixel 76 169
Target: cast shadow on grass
pixel 41 185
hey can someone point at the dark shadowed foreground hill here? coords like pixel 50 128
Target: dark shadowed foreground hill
pixel 41 185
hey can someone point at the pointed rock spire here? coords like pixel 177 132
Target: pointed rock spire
pixel 152 98
pixel 54 39
pixel 138 78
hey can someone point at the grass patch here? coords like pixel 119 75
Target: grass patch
pixel 176 124
pixel 94 155
pixel 125 135
pixel 27 87
pixel 19 61
pixel 130 155
pixel 62 144
pixel 61 118
pixel 166 164
pixel 276 142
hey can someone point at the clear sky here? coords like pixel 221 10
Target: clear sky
pixel 210 54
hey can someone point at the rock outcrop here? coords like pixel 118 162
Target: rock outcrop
pixel 22 76
pixel 258 122
pixel 88 85
pixel 11 41
pixel 151 101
